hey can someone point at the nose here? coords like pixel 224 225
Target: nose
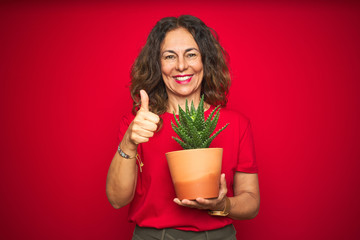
pixel 181 64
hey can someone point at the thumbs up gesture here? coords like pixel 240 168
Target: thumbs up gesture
pixel 144 125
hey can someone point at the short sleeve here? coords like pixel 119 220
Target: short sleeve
pixel 246 158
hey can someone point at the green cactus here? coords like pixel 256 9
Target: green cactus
pixel 192 128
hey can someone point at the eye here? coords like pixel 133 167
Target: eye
pixel 191 55
pixel 169 57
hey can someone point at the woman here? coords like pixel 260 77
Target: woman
pixel 181 60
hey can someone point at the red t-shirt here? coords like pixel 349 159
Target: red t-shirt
pixel 153 204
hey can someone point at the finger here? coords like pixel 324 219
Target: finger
pixel 139 139
pixel 149 126
pixel 189 204
pixel 223 187
pixel 207 203
pixel 144 125
pixel 203 201
pixel 151 117
pixel 144 99
pixel 184 202
pixel 144 133
pixel 179 202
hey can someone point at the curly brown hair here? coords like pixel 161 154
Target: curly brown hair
pixel 146 71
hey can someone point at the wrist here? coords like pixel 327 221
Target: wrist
pixel 225 209
pixel 127 148
pixel 124 154
pixel 127 144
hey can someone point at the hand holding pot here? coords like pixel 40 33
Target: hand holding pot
pixel 144 125
pixel 209 204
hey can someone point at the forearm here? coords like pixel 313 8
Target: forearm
pixel 121 178
pixel 244 206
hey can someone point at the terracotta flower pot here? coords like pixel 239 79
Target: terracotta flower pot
pixel 195 172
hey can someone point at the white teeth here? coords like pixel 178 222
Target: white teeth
pixel 183 78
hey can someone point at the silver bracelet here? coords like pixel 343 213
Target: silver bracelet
pixel 124 155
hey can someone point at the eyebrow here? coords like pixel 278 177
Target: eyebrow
pixel 186 50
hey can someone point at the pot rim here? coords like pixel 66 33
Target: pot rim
pixel 188 150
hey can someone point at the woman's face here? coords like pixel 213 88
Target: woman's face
pixel 181 65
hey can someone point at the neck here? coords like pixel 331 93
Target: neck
pixel 175 101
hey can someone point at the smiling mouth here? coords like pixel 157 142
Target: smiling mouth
pixel 183 79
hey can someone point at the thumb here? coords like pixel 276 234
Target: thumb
pixel 223 188
pixel 144 98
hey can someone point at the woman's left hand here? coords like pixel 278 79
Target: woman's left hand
pixel 208 204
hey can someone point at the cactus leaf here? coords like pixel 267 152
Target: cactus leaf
pixel 181 132
pixel 208 120
pixel 208 124
pixel 192 112
pixel 199 117
pixel 186 107
pixel 214 121
pixel 207 143
pixel 192 128
pixel 183 145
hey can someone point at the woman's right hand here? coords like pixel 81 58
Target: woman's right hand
pixel 144 125
pixel 121 179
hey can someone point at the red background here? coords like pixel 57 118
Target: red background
pixel 64 70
